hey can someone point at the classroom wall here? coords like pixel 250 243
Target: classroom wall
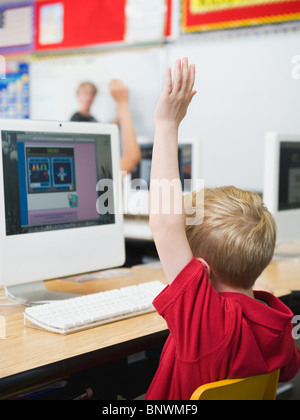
pixel 54 82
pixel 244 83
pixel 245 88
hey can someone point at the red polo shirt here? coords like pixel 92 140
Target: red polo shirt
pixel 217 336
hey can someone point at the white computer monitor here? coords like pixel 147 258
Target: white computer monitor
pixel 60 211
pixel 282 183
pixel 137 183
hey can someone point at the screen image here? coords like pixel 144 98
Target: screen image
pixel 143 169
pixel 50 180
pixel 185 163
pixel 289 176
pixel 50 169
pixel 39 173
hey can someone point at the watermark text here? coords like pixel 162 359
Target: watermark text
pixel 296 67
pixel 162 197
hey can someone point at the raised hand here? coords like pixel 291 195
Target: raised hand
pixel 177 94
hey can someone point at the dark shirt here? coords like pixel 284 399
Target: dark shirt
pixel 82 118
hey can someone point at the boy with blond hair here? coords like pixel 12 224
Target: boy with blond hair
pixel 219 326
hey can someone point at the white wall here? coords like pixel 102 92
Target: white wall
pixel 245 88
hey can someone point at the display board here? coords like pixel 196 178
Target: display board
pixel 68 24
pixel 71 23
pixel 205 15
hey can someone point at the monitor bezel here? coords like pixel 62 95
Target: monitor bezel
pixel 286 229
pixel 83 249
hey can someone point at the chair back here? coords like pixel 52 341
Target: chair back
pixel 261 387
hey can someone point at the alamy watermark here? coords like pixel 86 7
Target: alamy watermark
pixel 164 197
pixel 296 67
pixel 2 67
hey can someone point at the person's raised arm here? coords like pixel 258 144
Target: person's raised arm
pixel 167 219
pixel 131 150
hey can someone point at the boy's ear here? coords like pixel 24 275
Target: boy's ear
pixel 205 265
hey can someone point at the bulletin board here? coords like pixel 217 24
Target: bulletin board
pixel 63 24
pixel 205 15
pixel 69 24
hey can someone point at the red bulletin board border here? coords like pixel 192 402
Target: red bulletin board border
pixel 86 23
pixel 269 12
pixel 168 29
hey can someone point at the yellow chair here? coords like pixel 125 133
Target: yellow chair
pixel 262 387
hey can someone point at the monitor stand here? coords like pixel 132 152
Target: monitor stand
pixel 35 293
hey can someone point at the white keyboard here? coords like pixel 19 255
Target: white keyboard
pixel 88 311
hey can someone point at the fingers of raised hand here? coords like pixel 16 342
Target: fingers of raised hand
pixel 177 84
pixel 168 81
pixel 184 78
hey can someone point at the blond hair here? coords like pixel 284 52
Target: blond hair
pixel 236 236
pixel 85 84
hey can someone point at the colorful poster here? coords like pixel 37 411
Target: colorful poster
pixel 205 15
pixel 14 91
pixel 16 27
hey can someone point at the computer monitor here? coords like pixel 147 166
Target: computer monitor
pixel 137 183
pixel 282 183
pixel 59 203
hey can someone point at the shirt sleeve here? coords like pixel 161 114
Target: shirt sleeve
pixel 290 370
pixel 193 309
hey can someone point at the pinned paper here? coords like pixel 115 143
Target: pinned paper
pixel 145 20
pixel 51 24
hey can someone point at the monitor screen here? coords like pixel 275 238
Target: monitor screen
pixel 282 183
pixel 143 169
pixel 289 176
pixel 137 183
pixel 50 180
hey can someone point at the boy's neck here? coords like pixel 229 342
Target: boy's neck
pixel 223 288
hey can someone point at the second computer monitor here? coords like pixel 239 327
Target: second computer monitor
pixel 59 211
pixel 282 183
pixel 136 184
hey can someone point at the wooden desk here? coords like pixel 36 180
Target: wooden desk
pixel 29 355
pixel 282 276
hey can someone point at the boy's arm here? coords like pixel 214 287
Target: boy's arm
pixel 167 220
pixel 131 150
